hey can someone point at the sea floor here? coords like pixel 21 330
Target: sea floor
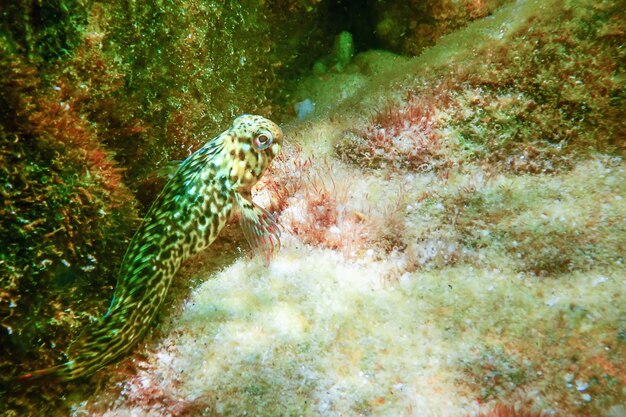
pixel 436 328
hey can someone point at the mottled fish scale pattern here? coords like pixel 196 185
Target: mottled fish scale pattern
pixel 185 218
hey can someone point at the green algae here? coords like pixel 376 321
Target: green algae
pixel 94 96
pixel 64 226
pixel 44 31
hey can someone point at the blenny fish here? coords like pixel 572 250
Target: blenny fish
pixel 185 218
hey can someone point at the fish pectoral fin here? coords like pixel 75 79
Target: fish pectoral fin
pixel 259 227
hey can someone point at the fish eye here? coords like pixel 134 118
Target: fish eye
pixel 263 139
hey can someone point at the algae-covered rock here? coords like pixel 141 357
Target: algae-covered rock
pixel 410 26
pixel 65 218
pixel 192 66
pixel 94 96
pixel 514 91
pixel 45 30
pixel 452 222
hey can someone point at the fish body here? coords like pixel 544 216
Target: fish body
pixel 184 219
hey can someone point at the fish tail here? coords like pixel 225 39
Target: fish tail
pixel 86 354
pixel 58 371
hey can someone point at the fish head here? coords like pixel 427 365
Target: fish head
pixel 250 146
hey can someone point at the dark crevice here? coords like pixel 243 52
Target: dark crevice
pixel 354 16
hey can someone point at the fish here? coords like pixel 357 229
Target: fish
pixel 185 218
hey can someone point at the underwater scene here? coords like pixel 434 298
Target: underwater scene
pixel 403 208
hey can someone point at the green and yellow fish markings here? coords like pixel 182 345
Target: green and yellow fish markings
pixel 185 218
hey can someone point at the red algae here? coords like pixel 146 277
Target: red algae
pixel 403 136
pixel 505 410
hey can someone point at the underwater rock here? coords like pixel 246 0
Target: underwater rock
pixel 44 31
pixel 408 27
pixel 453 221
pixel 94 96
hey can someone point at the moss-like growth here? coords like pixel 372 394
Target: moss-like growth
pixel 410 26
pixel 548 93
pixel 185 81
pixel 533 101
pixel 64 223
pixel 93 97
pixel 44 30
pixel 405 137
pixel 496 372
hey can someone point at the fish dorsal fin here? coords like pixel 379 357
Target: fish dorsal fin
pixel 167 169
pixel 259 227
